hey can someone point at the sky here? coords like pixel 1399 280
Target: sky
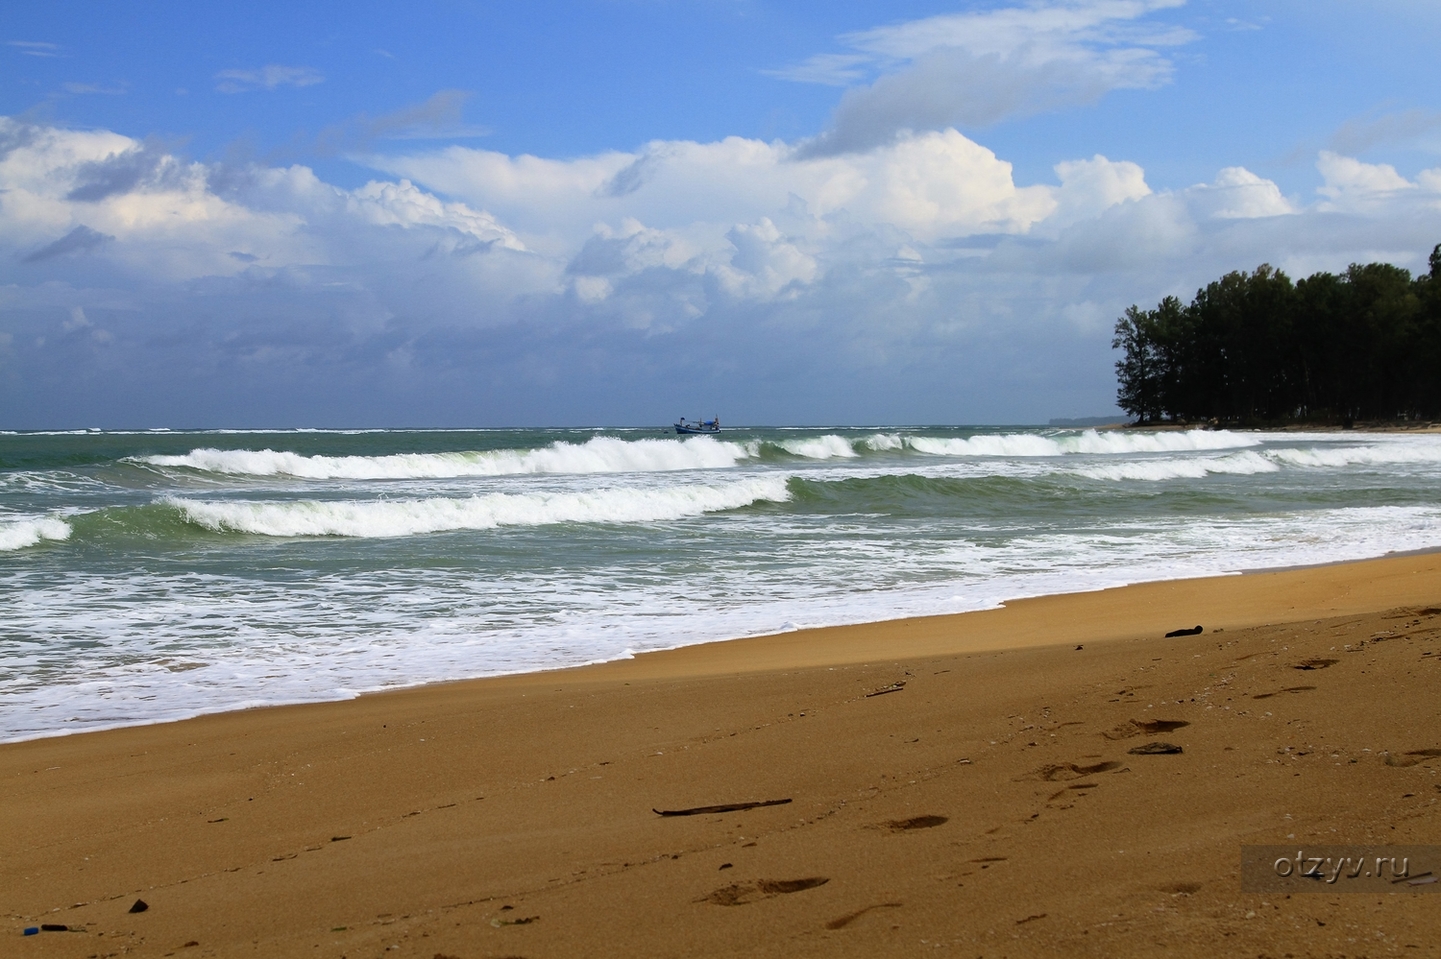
pixel 619 212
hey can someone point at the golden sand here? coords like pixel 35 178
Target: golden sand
pixel 958 785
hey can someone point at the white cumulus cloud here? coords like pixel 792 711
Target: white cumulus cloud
pixel 976 68
pixel 480 283
pixel 272 76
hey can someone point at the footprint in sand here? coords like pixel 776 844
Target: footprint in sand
pixel 1316 663
pixel 1181 888
pixel 1138 727
pixel 1073 790
pixel 1288 689
pixel 850 917
pixel 1413 758
pixel 1155 749
pixel 916 822
pixel 1059 772
pixel 738 894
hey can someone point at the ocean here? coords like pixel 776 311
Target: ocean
pixel 151 576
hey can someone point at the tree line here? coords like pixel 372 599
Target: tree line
pixel 1256 348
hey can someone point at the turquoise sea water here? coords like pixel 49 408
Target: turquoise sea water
pixel 156 575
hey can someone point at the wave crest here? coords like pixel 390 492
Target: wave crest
pixel 410 517
pixel 825 447
pixel 600 454
pixel 21 532
pixel 1379 455
pixel 1110 443
pixel 1246 463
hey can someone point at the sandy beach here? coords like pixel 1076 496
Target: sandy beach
pixel 958 785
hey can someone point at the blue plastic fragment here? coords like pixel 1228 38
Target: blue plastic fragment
pixel 32 930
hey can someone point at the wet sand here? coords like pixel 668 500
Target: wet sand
pixel 958 785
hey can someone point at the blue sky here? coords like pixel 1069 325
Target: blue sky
pixel 627 210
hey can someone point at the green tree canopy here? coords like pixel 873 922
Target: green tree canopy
pixel 1256 348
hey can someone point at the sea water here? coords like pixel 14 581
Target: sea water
pixel 150 576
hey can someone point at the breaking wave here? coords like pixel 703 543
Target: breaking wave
pixel 1090 441
pixel 20 532
pixel 825 447
pixel 600 454
pixel 607 454
pixel 1378 455
pixel 409 517
pixel 1246 463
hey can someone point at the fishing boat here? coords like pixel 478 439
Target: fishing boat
pixel 692 427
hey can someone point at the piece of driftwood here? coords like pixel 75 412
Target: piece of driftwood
pixel 1193 631
pixel 892 688
pixel 723 807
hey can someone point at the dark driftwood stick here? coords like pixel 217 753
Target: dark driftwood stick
pixel 724 807
pixel 1193 631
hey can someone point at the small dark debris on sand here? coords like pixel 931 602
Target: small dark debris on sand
pixel 1317 663
pixel 723 807
pixel 1155 749
pixel 1193 631
pixel 140 906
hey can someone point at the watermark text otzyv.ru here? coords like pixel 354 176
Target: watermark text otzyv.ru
pixel 1341 868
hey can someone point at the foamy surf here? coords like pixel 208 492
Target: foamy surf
pixel 410 517
pixel 1246 463
pixel 601 454
pixel 820 447
pixel 149 576
pixel 1088 442
pixel 20 532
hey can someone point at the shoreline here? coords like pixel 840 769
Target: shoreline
pixel 967 780
pixel 801 635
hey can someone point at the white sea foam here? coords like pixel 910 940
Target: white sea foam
pixel 820 447
pixel 1181 441
pixel 1113 443
pixel 137 628
pixel 410 517
pixel 1009 444
pixel 1246 463
pixel 885 442
pixel 150 647
pixel 600 454
pixel 1425 451
pixel 19 532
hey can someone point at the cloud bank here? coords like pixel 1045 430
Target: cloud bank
pixel 916 281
